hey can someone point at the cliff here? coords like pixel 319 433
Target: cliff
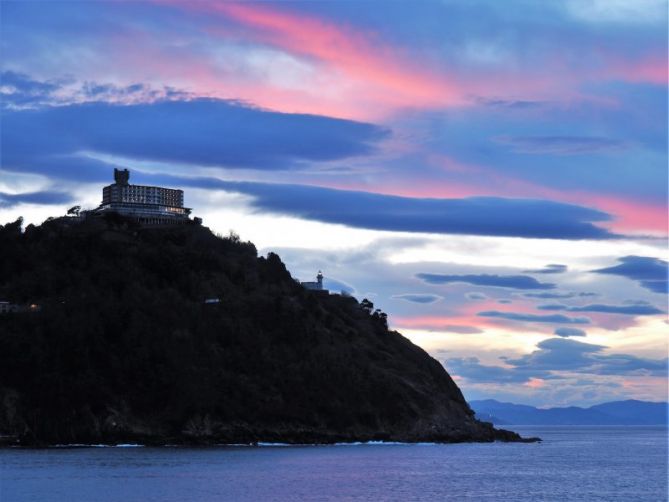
pixel 123 347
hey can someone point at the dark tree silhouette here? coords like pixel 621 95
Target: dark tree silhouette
pixel 125 348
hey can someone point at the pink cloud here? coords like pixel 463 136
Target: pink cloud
pixel 400 81
pixel 351 73
pixel 355 74
pixel 535 383
pixel 466 316
pixel 437 322
pixel 632 215
pixel 651 70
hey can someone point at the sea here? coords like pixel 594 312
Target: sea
pixel 572 463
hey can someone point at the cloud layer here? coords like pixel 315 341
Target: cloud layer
pixel 559 354
pixel 553 356
pixel 418 297
pixel 649 272
pixel 44 197
pixel 553 268
pixel 205 132
pixel 218 133
pixel 499 281
pixel 635 310
pixel 567 332
pixel 515 316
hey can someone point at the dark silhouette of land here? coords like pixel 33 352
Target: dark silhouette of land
pixel 174 335
pixel 629 412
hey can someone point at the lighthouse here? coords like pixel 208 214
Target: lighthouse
pixel 316 285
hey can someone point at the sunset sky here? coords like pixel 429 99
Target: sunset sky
pixel 491 174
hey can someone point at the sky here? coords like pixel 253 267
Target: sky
pixel 493 175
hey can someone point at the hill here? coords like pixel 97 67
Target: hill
pixel 630 412
pixel 121 346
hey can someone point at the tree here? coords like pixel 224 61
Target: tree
pixel 234 237
pixel 382 317
pixel 74 210
pixel 367 306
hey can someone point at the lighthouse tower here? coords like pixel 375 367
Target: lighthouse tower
pixel 316 285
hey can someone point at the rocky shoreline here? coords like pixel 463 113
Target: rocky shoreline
pixel 485 434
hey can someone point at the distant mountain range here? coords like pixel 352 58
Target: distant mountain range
pixel 629 412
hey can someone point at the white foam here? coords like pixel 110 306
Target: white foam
pixel 84 445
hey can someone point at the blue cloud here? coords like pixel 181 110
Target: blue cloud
pixel 473 215
pixel 209 132
pixel 553 357
pixel 553 268
pixel 22 90
pixel 213 132
pixel 418 298
pixel 649 272
pixel 552 306
pixel 645 143
pixel 509 104
pixel 45 197
pixel 560 145
pixel 500 281
pixel 635 309
pixel 554 318
pixel 557 295
pixel 567 332
pixel 472 369
pixel 560 354
pixel 475 296
pixel 468 216
pixel 625 364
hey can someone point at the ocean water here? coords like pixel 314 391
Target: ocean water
pixel 572 464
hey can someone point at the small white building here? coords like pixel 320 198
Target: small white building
pixel 316 286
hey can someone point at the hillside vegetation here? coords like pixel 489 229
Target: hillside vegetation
pixel 123 347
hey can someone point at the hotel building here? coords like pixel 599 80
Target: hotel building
pixel 147 204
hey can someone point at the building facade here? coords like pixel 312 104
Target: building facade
pixel 147 204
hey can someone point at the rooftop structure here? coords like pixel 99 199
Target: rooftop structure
pixel 148 204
